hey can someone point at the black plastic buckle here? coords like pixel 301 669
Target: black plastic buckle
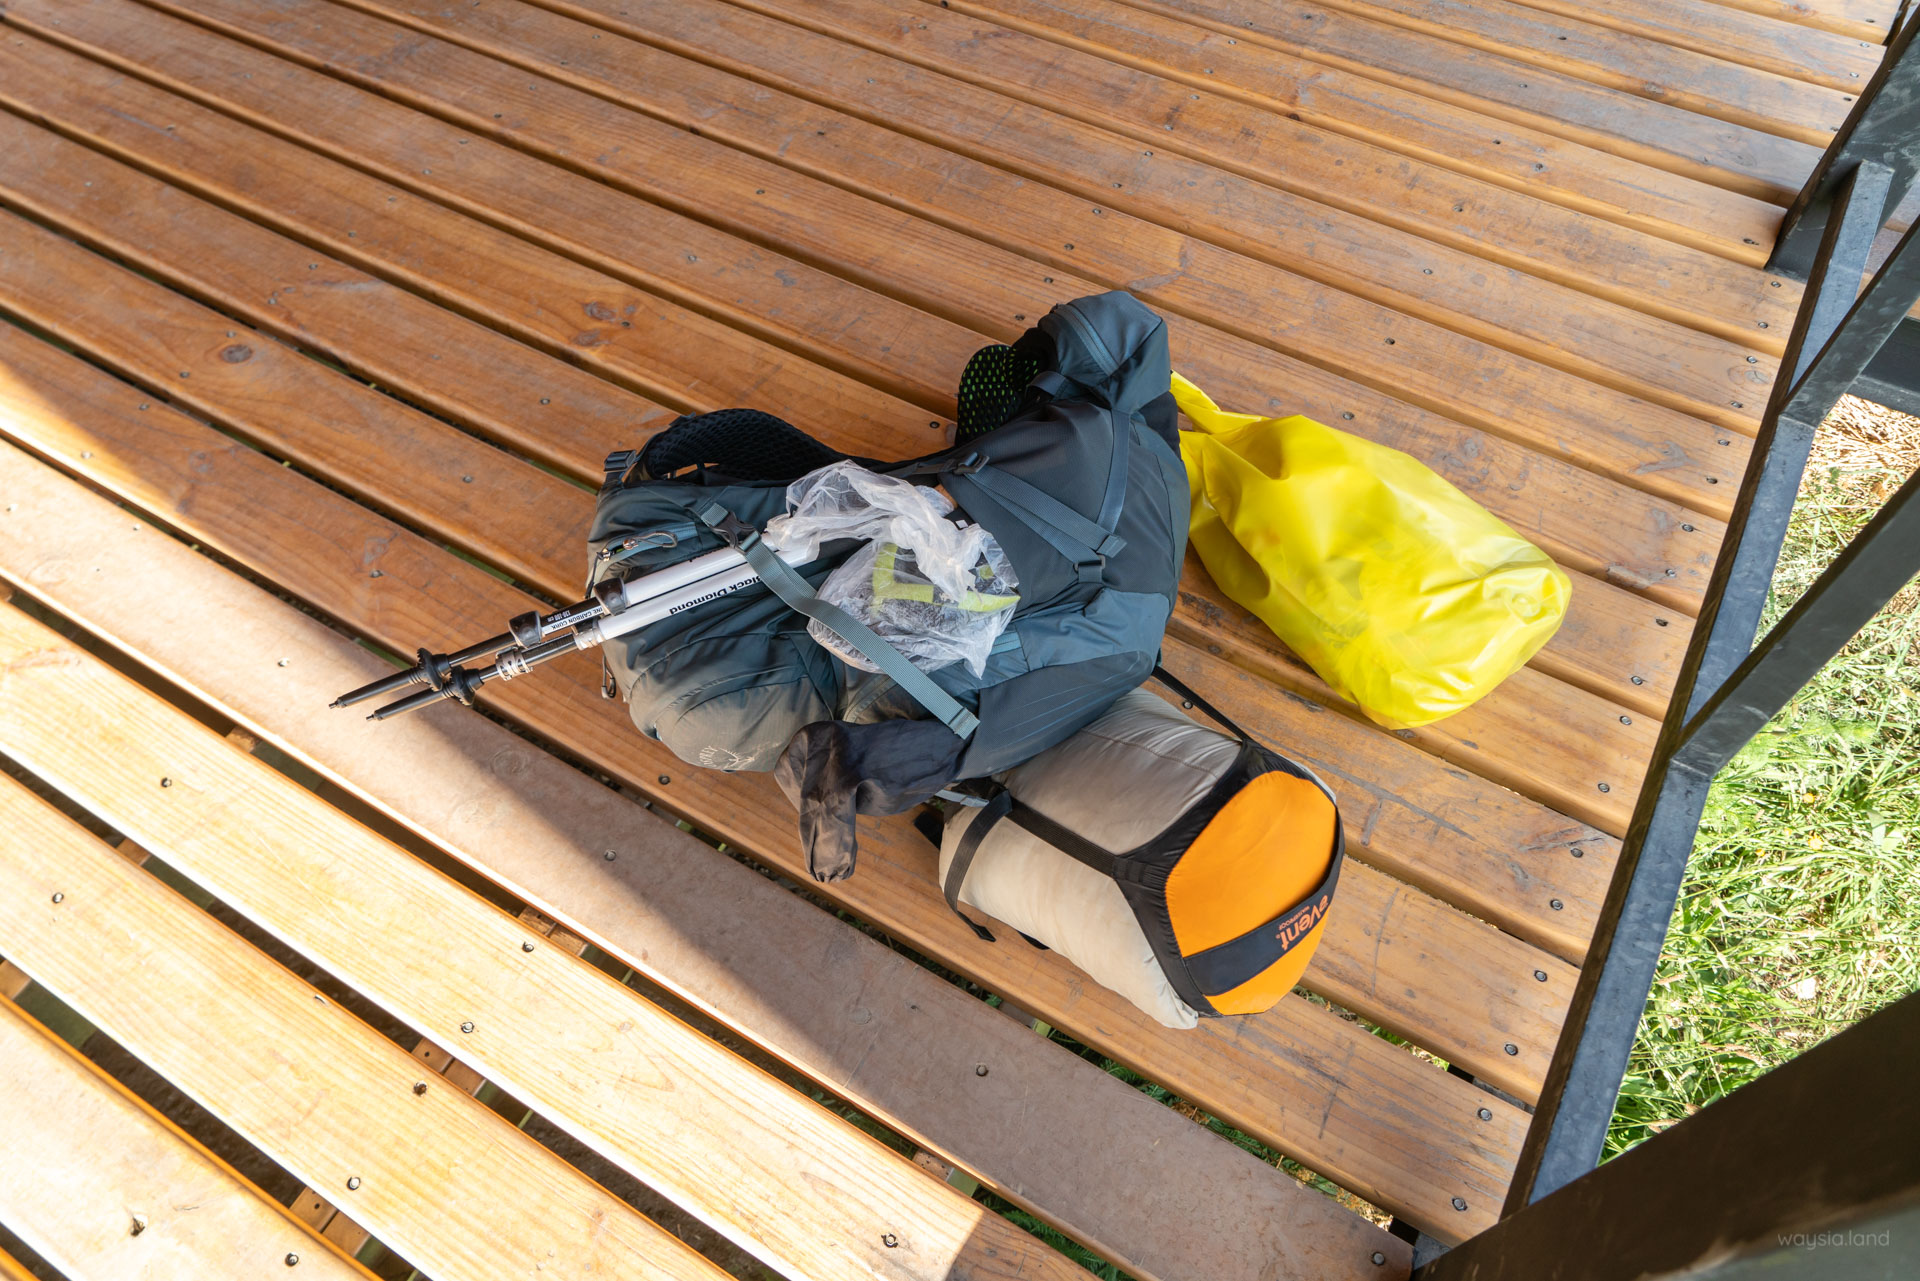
pixel 619 463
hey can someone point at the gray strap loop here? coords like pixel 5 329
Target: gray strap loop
pixel 1082 542
pixel 1116 492
pixel 781 579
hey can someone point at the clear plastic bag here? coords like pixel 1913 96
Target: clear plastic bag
pixel 937 591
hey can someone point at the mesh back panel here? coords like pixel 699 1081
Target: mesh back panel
pixel 743 444
pixel 991 389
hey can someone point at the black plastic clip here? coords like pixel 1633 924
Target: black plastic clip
pixel 619 463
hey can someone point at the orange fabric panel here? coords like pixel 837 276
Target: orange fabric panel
pixel 1261 854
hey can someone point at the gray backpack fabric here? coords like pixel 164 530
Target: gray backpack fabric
pixel 1083 487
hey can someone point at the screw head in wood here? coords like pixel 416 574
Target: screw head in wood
pixel 466 1027
pixel 608 855
pixel 665 779
pixel 1511 1048
pixel 353 1183
pixel 1603 787
pixel 419 1087
pixel 58 897
pixel 1459 1203
pixel 1555 904
pixel 979 1069
pixel 889 1240
pixel 292 1260
pixel 166 782
pixel 1540 976
pixel 1486 1114
pixel 1378 1258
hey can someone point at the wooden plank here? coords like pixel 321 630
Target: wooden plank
pixel 45 276
pixel 714 1134
pixel 1666 136
pixel 669 255
pixel 1728 223
pixel 1586 523
pixel 312 1208
pixel 1593 774
pixel 1710 27
pixel 101 1186
pixel 1283 152
pixel 1264 1078
pixel 1297 157
pixel 1652 68
pixel 673 355
pixel 1861 19
pixel 1118 1171
pixel 447 1183
pixel 1545 407
pixel 949 78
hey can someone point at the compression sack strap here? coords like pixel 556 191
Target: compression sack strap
pixel 963 854
pixel 799 596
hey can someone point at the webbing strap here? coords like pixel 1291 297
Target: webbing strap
pixel 1082 542
pixel 963 855
pixel 1116 494
pixel 781 579
pixel 1225 966
pixel 1067 841
pixel 1186 692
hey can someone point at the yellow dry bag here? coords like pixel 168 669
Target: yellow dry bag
pixel 1404 594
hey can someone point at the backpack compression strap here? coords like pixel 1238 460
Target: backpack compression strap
pixel 1084 543
pixel 992 812
pixel 781 579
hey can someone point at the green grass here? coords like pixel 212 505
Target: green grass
pixel 1795 920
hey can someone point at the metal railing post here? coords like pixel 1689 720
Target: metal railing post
pixel 1880 130
pixel 1833 339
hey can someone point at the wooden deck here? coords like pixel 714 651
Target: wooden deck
pixel 319 316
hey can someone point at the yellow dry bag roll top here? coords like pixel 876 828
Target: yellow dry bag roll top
pixel 1187 870
pixel 1404 594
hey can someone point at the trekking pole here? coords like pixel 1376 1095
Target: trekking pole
pixel 616 607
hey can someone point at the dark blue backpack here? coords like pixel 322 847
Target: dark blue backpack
pixel 1067 453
